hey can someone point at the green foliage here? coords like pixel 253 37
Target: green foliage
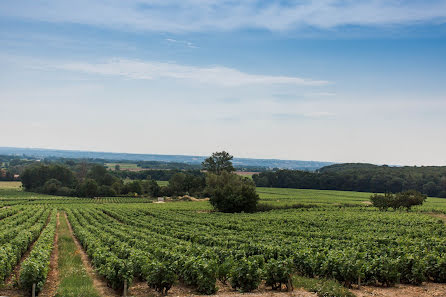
pixel 430 180
pixel 88 188
pixel 200 273
pixel 185 183
pixel 224 269
pixel 231 193
pixel 18 230
pixel 278 273
pixel 219 162
pixel 36 175
pixel 322 287
pixel 405 200
pixel 246 274
pixel 34 269
pixel 160 275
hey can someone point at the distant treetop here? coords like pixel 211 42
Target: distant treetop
pixel 218 162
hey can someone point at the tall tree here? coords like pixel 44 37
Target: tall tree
pixel 218 162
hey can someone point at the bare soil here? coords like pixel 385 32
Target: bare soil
pixel 99 283
pixel 438 215
pixel 141 289
pixel 52 280
pixel 426 290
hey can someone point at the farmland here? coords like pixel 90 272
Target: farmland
pixel 323 235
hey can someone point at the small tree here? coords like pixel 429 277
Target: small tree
pixel 231 193
pixel 218 162
pixel 117 167
pixel 410 198
pixel 382 202
pixel 405 200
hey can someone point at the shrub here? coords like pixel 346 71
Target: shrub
pixel 160 275
pixel 278 272
pixel 231 193
pixel 405 200
pixel 246 274
pixel 116 270
pixel 412 270
pixel 200 273
pixel 382 202
pixel 224 269
pixel 436 267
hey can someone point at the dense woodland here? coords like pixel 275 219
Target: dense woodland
pixel 360 177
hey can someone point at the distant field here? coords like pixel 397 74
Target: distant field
pixel 162 183
pixel 245 173
pixel 10 184
pixel 285 196
pixel 124 166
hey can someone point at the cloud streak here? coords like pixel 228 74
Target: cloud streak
pixel 215 75
pixel 208 15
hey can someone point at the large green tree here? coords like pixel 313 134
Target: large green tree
pixel 218 163
pixel 229 192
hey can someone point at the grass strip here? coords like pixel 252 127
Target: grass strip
pixel 322 287
pixel 74 279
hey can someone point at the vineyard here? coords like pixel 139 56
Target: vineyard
pixel 327 234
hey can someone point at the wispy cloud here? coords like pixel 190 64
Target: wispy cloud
pixel 217 75
pixel 196 15
pixel 181 42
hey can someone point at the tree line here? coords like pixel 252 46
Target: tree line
pixel 429 180
pixel 227 191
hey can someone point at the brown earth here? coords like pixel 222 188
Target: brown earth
pixel 99 283
pixel 426 290
pixel 141 289
pixel 438 215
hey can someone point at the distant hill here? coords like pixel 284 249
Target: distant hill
pixel 239 162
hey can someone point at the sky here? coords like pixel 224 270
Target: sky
pixel 326 80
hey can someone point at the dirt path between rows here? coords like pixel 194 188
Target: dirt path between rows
pixel 438 215
pixel 52 280
pixel 99 283
pixel 426 290
pixel 141 289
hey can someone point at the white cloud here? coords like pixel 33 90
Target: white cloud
pixel 181 42
pixel 205 15
pixel 217 75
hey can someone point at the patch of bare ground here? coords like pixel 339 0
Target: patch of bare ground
pixel 99 283
pixel 141 289
pixel 366 202
pixel 438 215
pixel 52 280
pixel 426 290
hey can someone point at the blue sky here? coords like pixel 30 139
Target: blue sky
pixel 343 81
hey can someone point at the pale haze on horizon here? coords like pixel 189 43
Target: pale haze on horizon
pixel 340 81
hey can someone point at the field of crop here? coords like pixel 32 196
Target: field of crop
pixel 326 234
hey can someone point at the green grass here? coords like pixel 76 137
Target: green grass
pixel 74 280
pixel 288 197
pixel 162 183
pixel 10 185
pixel 322 287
